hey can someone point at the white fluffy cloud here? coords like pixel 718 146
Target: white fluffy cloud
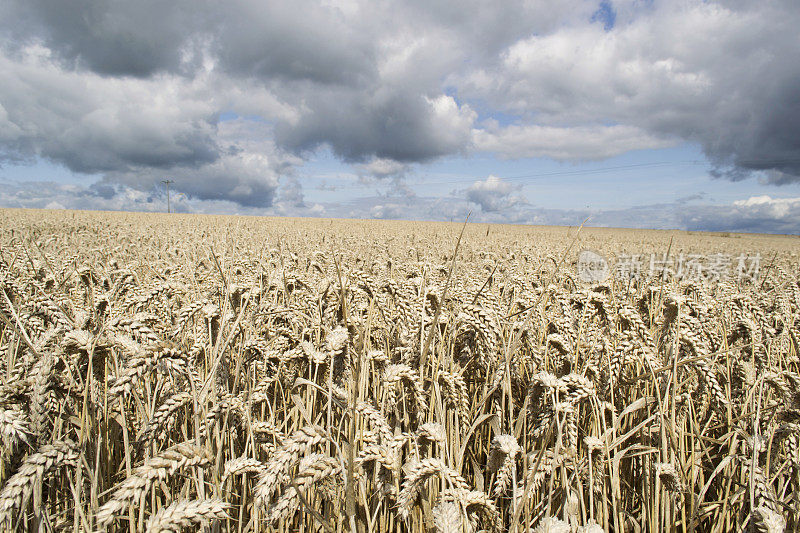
pixel 382 169
pixel 778 206
pixel 758 211
pixel 493 194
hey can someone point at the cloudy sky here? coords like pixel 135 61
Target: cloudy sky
pixel 636 113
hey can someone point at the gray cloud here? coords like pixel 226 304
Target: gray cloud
pixel 365 79
pixel 245 178
pixel 119 197
pixel 297 41
pixel 51 195
pixel 721 74
pixel 382 169
pixel 386 124
pixel 691 198
pixel 482 29
pixel 92 124
pixel 110 38
pixel 135 132
pixel 291 193
pixel 760 214
pixel 247 171
pixel 132 91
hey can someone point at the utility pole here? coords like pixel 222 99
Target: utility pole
pixel 167 182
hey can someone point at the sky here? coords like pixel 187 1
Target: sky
pixel 679 114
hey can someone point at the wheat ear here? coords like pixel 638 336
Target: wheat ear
pixel 420 472
pixel 19 487
pixel 159 467
pixel 182 514
pixel 289 453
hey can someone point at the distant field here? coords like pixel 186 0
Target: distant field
pixel 162 372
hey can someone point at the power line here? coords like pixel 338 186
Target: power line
pixel 542 175
pixel 582 172
pixel 753 163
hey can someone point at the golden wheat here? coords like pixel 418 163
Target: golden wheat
pixel 165 372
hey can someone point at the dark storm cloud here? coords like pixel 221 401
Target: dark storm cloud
pixel 102 190
pixel 298 40
pixel 111 38
pixel 770 141
pixel 135 131
pixel 388 124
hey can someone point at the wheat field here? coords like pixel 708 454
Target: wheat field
pixel 178 372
